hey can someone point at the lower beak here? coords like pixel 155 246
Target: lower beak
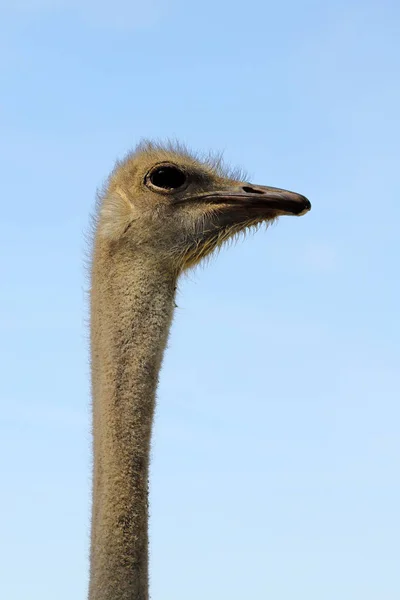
pixel 261 198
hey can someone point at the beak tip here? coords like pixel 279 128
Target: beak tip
pixel 305 207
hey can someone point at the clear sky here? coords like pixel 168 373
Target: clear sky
pixel 275 469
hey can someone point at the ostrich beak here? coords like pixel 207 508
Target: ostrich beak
pixel 259 200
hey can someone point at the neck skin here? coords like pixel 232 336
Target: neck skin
pixel 132 302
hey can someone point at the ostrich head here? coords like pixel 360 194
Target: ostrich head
pixel 176 209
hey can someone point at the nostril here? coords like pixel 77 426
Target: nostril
pixel 251 190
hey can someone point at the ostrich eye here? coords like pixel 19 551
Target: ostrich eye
pixel 167 177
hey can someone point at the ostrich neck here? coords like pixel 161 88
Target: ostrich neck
pixel 132 300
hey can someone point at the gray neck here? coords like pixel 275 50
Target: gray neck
pixel 132 303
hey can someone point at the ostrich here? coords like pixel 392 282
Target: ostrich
pixel 162 211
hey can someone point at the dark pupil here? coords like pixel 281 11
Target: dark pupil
pixel 168 178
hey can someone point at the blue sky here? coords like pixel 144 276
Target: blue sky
pixel 276 444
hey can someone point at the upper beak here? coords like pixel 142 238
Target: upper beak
pixel 262 198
